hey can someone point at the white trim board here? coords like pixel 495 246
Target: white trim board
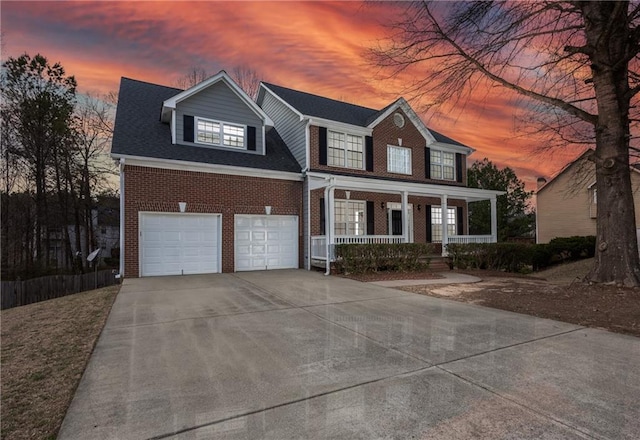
pixel 199 167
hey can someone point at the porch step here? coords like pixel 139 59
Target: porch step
pixel 439 263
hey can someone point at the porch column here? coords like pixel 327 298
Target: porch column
pixel 445 221
pixel 494 220
pixel 405 216
pixel 329 209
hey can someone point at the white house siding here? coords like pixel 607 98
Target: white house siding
pixel 220 103
pixel 291 129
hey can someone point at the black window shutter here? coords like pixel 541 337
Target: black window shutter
pixel 251 138
pixel 371 224
pixel 427 164
pixel 459 167
pixel 323 145
pixel 460 226
pixel 187 132
pixel 427 209
pixel 368 142
pixel 323 227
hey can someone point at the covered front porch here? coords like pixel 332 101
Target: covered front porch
pixel 361 210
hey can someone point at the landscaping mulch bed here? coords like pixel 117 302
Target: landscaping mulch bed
pixel 601 306
pixel 45 348
pixel 390 276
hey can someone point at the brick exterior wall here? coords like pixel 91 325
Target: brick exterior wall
pixel 160 190
pixel 380 214
pixel 386 133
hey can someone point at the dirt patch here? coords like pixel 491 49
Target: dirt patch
pixel 392 276
pixel 608 307
pixel 45 348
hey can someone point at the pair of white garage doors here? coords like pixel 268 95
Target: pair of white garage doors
pixel 184 244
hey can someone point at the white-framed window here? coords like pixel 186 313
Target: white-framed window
pixel 225 134
pixel 443 165
pixel 344 150
pixel 436 223
pixel 350 217
pixel 398 160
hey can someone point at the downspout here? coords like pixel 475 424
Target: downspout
pixel 121 274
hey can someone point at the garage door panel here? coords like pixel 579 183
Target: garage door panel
pixel 266 242
pixel 174 244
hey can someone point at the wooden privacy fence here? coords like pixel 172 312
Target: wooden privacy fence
pixel 20 293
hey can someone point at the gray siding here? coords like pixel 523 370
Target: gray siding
pixel 289 126
pixel 218 102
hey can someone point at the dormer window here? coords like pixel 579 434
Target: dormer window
pixel 219 133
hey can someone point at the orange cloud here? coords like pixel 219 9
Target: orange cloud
pixel 319 47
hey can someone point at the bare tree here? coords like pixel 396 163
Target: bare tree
pixel 248 80
pixel 572 63
pixel 194 76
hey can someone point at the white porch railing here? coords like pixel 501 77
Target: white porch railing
pixel 319 243
pixel 464 239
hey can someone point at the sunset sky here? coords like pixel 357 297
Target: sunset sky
pixel 318 47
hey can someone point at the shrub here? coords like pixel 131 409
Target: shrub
pixel 518 257
pixel 361 258
pixel 573 248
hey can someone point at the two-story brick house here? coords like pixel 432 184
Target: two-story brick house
pixel 373 176
pixel 214 182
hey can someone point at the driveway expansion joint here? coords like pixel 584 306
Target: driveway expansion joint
pixel 284 404
pixel 520 404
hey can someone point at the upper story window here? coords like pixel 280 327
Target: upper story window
pixel 443 165
pixel 344 150
pixel 219 133
pixel 398 160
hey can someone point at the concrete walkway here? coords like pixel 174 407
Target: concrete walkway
pixel 447 278
pixel 297 355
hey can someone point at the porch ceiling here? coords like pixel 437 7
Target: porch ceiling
pixel 321 180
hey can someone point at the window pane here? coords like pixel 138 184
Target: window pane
pixel 436 171
pixel 398 160
pixel 435 156
pixel 208 132
pixel 448 173
pixel 350 217
pixel 233 135
pixel 448 158
pixel 335 144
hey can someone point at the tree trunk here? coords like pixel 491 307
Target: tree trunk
pixel 617 258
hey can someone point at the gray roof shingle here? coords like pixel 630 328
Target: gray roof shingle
pixel 138 131
pixel 326 108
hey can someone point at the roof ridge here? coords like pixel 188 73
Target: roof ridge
pixel 150 83
pixel 322 97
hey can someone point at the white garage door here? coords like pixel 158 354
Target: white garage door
pixel 179 244
pixel 266 242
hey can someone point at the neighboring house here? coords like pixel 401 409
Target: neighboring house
pixel 214 182
pixel 567 203
pixel 105 227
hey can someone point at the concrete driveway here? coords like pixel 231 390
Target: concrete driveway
pixel 295 354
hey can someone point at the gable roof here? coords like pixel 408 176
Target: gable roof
pixel 139 132
pixel 221 76
pixel 565 168
pixel 307 104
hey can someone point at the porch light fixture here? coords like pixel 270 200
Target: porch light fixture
pixel 267 210
pixel 182 206
pixel 382 205
pixel 418 207
pixel 347 194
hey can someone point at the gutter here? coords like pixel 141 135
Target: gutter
pixel 121 274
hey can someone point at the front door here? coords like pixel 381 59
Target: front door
pixel 396 222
